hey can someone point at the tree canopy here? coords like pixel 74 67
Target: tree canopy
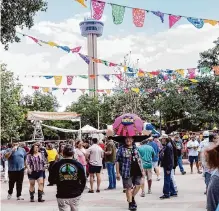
pixel 20 14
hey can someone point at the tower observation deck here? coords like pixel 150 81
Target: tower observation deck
pixel 92 29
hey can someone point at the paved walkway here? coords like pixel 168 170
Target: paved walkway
pixel 191 197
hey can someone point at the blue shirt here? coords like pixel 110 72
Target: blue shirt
pixel 17 159
pixel 156 150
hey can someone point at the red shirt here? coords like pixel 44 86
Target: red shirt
pixel 102 146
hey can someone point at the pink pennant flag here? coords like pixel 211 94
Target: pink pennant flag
pixel 173 19
pixel 69 79
pixel 82 90
pixel 98 8
pixel 191 73
pixel 34 39
pixel 119 76
pixel 64 90
pixel 35 87
pixel 138 17
pixel 112 64
pixel 76 50
pixel 100 90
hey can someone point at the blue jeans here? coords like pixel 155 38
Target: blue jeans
pixel 168 188
pixel 112 175
pixel 207 178
pixel 179 161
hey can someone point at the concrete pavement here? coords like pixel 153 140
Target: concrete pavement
pixel 191 197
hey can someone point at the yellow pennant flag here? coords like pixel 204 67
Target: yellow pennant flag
pixel 181 72
pixel 150 75
pixel 125 68
pixel 193 80
pixel 212 22
pixel 81 2
pixel 140 74
pixel 45 89
pixel 186 88
pixel 108 91
pixel 136 90
pixel 52 43
pixel 58 80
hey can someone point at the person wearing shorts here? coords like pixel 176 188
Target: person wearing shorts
pixel 35 169
pixel 147 153
pixel 129 167
pixel 193 147
pixel 95 156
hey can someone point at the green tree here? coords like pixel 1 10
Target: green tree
pixel 18 14
pixel 11 113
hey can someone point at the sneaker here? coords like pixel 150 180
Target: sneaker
pixel 9 196
pixel 173 195
pixel 19 198
pixel 149 192
pixel 142 194
pixel 134 202
pixel 158 178
pixel 131 206
pixel 184 172
pixel 164 197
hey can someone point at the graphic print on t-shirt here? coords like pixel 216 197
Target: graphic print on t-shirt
pixel 68 171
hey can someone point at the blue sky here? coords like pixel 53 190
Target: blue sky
pixel 59 10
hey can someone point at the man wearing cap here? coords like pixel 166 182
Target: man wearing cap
pixel 167 162
pixel 129 166
pixel 68 174
pixel 179 147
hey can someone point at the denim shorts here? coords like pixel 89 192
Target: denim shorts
pixel 35 175
pixel 193 158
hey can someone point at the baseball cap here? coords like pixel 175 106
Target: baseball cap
pixel 164 136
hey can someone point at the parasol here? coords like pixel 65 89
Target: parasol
pixel 128 125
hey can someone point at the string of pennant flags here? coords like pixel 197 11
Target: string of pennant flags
pixel 130 71
pixel 139 14
pixel 108 91
pixel 52 44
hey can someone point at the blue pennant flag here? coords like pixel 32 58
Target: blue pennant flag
pixel 107 77
pixel 85 58
pixel 159 14
pixel 54 89
pixel 48 76
pixel 65 48
pixel 73 90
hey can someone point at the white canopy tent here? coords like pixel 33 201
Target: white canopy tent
pixel 90 129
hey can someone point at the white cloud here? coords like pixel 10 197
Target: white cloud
pixel 175 48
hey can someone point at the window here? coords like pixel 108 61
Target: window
pixel 93 28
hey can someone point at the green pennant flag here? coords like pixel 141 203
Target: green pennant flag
pixel 104 62
pixel 83 76
pixel 204 70
pixel 118 12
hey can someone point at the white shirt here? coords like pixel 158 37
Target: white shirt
pixel 193 152
pixel 96 155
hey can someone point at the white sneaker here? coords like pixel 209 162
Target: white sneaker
pixel 20 198
pixel 158 178
pixel 9 196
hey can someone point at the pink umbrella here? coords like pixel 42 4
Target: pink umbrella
pixel 128 125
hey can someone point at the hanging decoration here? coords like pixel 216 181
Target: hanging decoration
pixel 85 58
pixel 69 79
pixel 138 17
pixel 98 8
pixel 81 2
pixel 52 44
pixel 118 13
pixel 160 15
pixel 216 70
pixel 173 19
pixel 58 80
pixel 198 23
pixel 191 73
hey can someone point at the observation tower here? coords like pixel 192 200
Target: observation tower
pixel 92 29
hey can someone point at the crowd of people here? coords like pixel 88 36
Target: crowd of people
pixel 71 164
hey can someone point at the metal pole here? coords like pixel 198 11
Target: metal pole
pixel 160 122
pixel 98 120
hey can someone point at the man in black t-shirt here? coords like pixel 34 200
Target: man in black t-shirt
pixel 69 176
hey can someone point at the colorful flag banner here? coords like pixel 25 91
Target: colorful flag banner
pixel 58 80
pixel 69 79
pixel 216 70
pixel 85 58
pixel 98 8
pixel 198 23
pixel 45 89
pixel 138 17
pixel 160 15
pixel 173 19
pixel 118 13
pixel 81 2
